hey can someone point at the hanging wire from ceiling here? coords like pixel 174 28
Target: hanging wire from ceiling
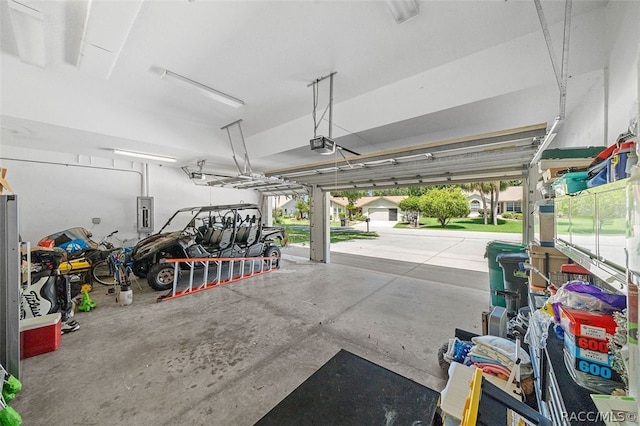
pixel 356 134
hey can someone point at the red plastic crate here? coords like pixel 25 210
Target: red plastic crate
pixel 39 335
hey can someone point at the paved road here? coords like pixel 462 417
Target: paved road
pixel 456 249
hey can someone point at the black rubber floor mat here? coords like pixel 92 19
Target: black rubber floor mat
pixel 349 390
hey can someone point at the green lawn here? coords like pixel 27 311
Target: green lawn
pixel 469 224
pixel 585 225
pixel 298 232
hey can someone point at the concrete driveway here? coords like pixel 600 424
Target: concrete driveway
pixel 456 249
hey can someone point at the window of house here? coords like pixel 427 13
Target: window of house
pixel 514 206
pixel 475 206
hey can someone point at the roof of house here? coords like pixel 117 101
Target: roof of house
pixel 282 200
pixel 512 193
pixel 363 201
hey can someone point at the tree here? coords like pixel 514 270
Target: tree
pixel 352 197
pixel 390 191
pixel 444 204
pixel 492 190
pixel 416 191
pixel 302 207
pixel 484 188
pixel 277 215
pixel 496 187
pixel 411 206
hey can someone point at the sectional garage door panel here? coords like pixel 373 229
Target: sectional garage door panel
pixel 502 155
pixel 379 214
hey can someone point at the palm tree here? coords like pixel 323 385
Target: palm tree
pixel 484 188
pixel 496 187
pixel 491 189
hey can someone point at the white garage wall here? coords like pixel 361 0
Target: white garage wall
pixel 54 197
pixel 55 194
pixel 585 125
pixel 624 38
pixel 608 105
pixel 171 190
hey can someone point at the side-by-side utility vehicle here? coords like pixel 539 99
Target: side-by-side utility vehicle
pixel 228 231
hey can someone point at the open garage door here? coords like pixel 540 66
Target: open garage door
pixel 502 155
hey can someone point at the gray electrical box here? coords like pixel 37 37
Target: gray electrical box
pixel 145 215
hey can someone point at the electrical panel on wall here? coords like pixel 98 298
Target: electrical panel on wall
pixel 145 215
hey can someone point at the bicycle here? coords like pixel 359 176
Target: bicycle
pixel 102 271
pixel 82 254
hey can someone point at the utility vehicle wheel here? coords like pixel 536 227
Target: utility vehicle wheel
pixel 273 251
pixel 140 269
pixel 160 276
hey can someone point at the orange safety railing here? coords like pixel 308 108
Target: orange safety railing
pixel 247 267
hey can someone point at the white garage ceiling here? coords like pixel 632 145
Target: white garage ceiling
pixel 459 68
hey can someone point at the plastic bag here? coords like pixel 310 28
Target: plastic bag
pixel 9 417
pixel 538 329
pixel 584 296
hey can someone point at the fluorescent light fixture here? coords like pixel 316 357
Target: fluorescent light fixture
pixel 403 10
pixel 143 155
pixel 207 91
pixel 28 29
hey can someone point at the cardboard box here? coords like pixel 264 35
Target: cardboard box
pixel 545 224
pixel 586 355
pixel 586 347
pixel 594 325
pixel 39 335
pixel 545 260
pixel 589 349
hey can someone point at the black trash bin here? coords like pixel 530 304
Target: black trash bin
pixel 496 276
pixel 516 280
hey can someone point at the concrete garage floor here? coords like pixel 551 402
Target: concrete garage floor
pixel 228 355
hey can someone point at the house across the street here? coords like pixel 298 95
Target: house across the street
pixel 377 208
pixel 510 200
pixel 385 207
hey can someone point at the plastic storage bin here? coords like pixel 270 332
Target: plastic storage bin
pixel 39 335
pixel 516 280
pixel 618 163
pixel 599 175
pixel 570 183
pixel 496 277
